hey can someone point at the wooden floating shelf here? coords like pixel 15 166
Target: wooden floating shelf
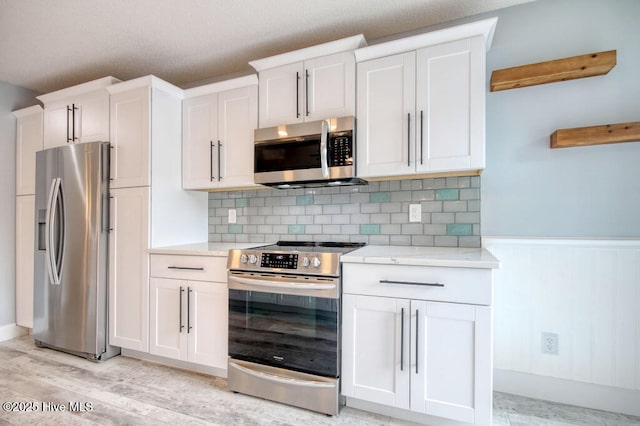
pixel 582 66
pixel 596 135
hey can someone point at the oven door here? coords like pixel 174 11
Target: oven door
pixel 285 321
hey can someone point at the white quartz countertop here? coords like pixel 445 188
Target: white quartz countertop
pixel 203 248
pixel 423 256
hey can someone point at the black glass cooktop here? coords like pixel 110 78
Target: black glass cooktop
pixel 313 246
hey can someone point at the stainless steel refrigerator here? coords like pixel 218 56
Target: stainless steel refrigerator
pixel 70 310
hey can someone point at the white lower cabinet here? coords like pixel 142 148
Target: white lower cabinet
pixel 405 351
pixel 188 318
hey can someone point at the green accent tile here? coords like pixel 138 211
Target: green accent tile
pixel 296 229
pixel 242 202
pixel 447 194
pixel 379 197
pixel 304 200
pixel 235 229
pixel 369 229
pixel 459 229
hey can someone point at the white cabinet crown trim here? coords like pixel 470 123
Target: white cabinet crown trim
pixel 27 111
pixel 485 28
pixel 147 81
pixel 219 86
pixel 336 46
pixel 79 89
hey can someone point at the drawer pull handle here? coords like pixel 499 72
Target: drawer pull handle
pixel 185 268
pixel 411 283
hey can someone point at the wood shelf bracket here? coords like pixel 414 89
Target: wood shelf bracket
pixel 596 135
pixel 582 66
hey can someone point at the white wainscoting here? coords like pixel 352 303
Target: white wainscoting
pixel 586 291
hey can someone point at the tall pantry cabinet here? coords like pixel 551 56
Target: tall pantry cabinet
pixel 29 137
pixel 148 206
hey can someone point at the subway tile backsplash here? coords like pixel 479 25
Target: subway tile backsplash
pixel 377 213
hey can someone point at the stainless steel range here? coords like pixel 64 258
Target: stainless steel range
pixel 284 323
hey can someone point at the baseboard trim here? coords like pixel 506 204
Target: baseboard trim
pixel 11 331
pixel 588 395
pixel 183 365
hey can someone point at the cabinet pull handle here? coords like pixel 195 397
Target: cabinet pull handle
pixel 219 169
pixel 297 94
pixel 211 177
pixel 417 336
pixel 73 122
pixel 306 93
pixel 189 291
pixel 186 268
pixel 411 283
pixel 402 339
pixel 68 111
pixel 408 139
pixel 421 135
pixel 181 326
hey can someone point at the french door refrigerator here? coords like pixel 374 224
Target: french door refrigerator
pixel 72 224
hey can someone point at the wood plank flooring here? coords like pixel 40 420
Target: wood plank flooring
pixel 123 391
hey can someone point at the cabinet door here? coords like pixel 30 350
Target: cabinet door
pixel 237 119
pixel 29 133
pixel 375 351
pixel 281 95
pixel 92 116
pixel 168 326
pixel 330 86
pixel 199 142
pixel 25 229
pixel 451 98
pixel 129 269
pixel 208 307
pixel 130 138
pixel 57 125
pixel 451 370
pixel 386 116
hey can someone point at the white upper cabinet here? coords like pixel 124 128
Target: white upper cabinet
pixel 421 103
pixel 77 114
pixel 130 138
pixel 217 140
pixel 29 134
pixel 308 84
pixel 450 106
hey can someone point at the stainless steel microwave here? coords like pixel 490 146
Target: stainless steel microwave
pixel 317 153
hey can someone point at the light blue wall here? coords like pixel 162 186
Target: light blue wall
pixel 531 190
pixel 11 98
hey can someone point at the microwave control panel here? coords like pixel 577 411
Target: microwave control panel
pixel 341 149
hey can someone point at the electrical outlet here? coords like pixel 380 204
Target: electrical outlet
pixel 232 216
pixel 550 343
pixel 415 213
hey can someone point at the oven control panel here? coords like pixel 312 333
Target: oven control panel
pixel 279 260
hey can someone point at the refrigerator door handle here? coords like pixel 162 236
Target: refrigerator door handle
pixel 54 248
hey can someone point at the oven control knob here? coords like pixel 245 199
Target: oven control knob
pixel 306 262
pixel 243 258
pixel 253 258
pixel 316 262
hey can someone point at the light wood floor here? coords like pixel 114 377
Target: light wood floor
pixel 129 391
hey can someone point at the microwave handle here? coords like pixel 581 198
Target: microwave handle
pixel 324 161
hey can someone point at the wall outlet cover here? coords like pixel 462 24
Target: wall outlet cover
pixel 232 216
pixel 415 213
pixel 550 343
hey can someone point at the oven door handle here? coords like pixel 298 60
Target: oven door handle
pixel 261 284
pixel 285 380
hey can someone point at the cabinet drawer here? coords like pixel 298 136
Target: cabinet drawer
pixel 195 268
pixel 459 285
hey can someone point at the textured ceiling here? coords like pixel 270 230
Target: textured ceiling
pixel 47 45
